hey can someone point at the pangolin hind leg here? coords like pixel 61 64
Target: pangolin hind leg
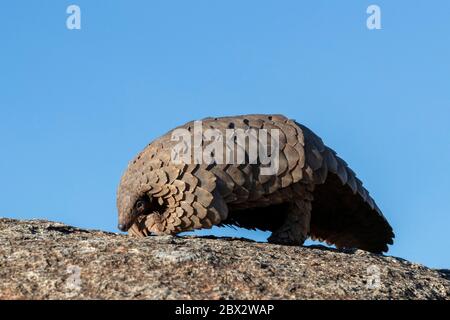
pixel 295 228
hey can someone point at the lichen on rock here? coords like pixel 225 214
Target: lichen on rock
pixel 48 260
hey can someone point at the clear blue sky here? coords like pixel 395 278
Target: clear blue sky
pixel 76 106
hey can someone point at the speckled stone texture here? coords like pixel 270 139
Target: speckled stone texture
pixel 47 260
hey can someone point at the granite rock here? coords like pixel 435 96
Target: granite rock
pixel 47 260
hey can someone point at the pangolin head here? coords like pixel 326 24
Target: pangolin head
pixel 132 211
pixel 135 208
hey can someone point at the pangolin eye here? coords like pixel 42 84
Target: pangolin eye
pixel 140 205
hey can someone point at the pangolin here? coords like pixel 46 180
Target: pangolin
pixel 312 193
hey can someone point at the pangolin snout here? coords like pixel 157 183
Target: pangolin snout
pixel 126 222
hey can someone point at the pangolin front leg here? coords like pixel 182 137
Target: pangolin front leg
pixel 295 228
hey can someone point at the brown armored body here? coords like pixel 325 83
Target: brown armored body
pixel 312 193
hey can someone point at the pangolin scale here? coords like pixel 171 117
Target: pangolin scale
pixel 314 193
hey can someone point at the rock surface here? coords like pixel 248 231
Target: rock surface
pixel 47 260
